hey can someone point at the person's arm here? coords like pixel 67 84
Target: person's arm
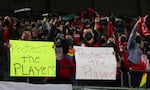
pixel 51 33
pixel 131 41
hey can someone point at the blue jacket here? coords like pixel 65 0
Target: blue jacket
pixel 134 52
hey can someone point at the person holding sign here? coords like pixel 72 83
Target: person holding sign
pixel 30 63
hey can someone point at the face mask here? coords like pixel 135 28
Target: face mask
pixel 138 39
pixel 102 40
pixel 88 36
pixel 123 39
pixel 6 22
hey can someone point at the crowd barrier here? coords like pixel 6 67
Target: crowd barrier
pixel 119 82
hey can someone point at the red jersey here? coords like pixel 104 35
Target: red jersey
pixel 141 66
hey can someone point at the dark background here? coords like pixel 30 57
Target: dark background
pixel 117 7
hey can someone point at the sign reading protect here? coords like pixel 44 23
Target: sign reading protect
pixel 32 59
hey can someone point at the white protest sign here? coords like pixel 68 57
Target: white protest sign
pixel 95 63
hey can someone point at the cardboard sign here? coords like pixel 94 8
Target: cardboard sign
pixel 32 58
pixel 95 63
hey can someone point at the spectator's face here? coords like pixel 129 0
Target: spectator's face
pixel 123 38
pixel 103 39
pixel 34 35
pixel 139 41
pixel 26 35
pixel 111 40
pixel 88 35
pixel 97 20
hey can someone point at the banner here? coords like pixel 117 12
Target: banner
pixel 27 86
pixel 95 63
pixel 32 59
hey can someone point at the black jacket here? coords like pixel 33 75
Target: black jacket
pixel 2 52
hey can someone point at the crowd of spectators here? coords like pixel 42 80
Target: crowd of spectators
pixel 130 38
